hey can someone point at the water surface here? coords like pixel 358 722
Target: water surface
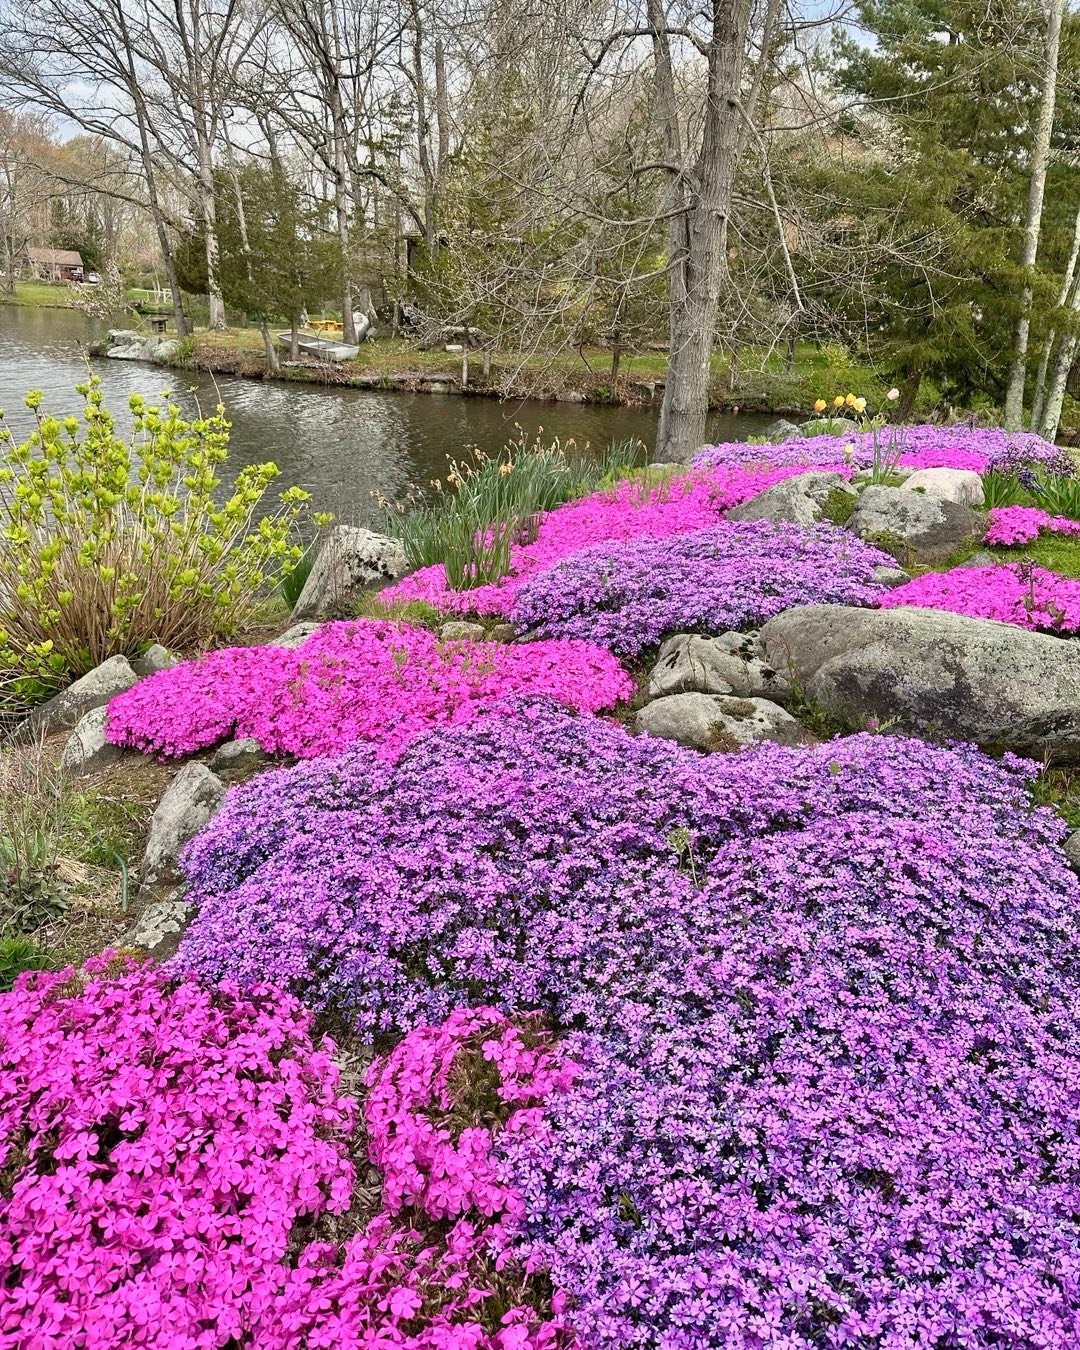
pixel 342 445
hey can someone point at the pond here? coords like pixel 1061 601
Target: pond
pixel 342 445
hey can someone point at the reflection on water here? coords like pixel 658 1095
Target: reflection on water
pixel 339 444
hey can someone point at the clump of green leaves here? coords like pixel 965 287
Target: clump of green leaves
pixel 110 543
pixel 32 889
pixel 17 954
pixel 493 502
pixel 839 505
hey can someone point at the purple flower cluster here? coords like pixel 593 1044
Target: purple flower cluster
pixel 824 1002
pixel 627 596
pixel 923 447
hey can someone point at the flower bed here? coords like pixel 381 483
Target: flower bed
pixel 1016 593
pixel 924 447
pixel 164 1151
pixel 628 596
pixel 362 681
pixel 627 512
pixel 1007 526
pixel 822 1000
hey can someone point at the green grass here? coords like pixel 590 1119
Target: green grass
pixel 1055 552
pixel 763 382
pixel 42 294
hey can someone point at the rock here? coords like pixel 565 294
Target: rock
pixel 438 387
pixel 292 637
pixel 155 658
pixel 1071 847
pixel 350 559
pixel 125 344
pixel 951 485
pixel 920 529
pixel 92 690
pixel 799 500
pixel 163 350
pixel 664 469
pixel 459 631
pixel 569 396
pixel 944 676
pixel 188 803
pixel 240 756
pixel 719 722
pixel 502 632
pixel 980 558
pixel 832 426
pixel 780 430
pixel 889 576
pixel 728 664
pixel 161 925
pixel 87 750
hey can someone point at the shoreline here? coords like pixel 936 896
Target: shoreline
pixel 502 381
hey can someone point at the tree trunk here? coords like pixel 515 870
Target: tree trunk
pixel 909 392
pixel 294 338
pixel 272 359
pixel 208 209
pixel 1038 401
pixel 1040 158
pixel 699 202
pixel 616 357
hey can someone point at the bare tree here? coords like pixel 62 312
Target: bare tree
pixel 1040 160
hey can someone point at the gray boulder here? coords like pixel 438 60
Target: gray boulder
pixel 728 664
pixel 155 658
pixel 87 750
pixel 980 558
pixel 187 804
pixel 952 485
pixel 889 576
pixel 236 757
pixel 161 925
pixel 459 631
pixel 719 722
pixel 799 500
pixel 92 690
pixel 292 637
pixel 920 528
pixel 780 430
pixel 502 632
pixel 1072 850
pixel 940 675
pixel 350 559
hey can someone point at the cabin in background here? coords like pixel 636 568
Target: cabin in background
pixel 53 264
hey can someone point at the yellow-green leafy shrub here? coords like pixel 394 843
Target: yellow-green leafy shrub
pixel 108 543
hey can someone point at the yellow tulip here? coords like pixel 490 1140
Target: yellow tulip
pixel 838 401
pixel 850 400
pixel 820 405
pixel 859 404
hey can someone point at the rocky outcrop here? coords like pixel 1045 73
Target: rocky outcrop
pixel 125 344
pixel 92 690
pixel 951 485
pixel 729 664
pixel 188 803
pixel 87 750
pixel 915 527
pixel 155 658
pixel 161 925
pixel 351 559
pixel 235 758
pixel 800 500
pixel 457 630
pixel 719 722
pixel 292 637
pixel 940 675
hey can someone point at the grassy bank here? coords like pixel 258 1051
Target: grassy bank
pixel 39 295
pixel 761 384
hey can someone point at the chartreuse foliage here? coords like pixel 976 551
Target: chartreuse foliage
pixel 109 543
